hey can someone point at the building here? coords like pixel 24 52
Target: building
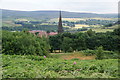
pixel 60 27
pixel 52 33
pixel 43 33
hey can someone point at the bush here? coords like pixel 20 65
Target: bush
pixel 89 52
pixel 24 43
pixel 110 55
pixel 75 59
pixel 105 54
pixel 70 49
pixel 99 52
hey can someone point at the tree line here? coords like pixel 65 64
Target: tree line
pixel 25 43
pixel 69 42
pixel 31 27
pixel 90 22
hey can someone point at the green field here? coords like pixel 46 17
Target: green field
pixel 80 19
pixel 29 66
pixel 102 30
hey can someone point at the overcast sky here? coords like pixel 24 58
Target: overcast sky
pixel 95 6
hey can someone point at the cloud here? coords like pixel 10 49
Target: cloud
pixel 98 6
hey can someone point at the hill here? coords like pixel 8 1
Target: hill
pixel 12 14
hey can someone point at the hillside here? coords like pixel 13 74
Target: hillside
pixel 12 14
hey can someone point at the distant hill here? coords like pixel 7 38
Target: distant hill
pixel 6 14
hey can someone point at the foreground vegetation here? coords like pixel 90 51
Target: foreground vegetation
pixel 27 56
pixel 30 66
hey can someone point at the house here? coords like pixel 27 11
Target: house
pixel 52 33
pixel 41 33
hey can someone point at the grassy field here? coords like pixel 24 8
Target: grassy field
pixel 97 28
pixel 98 18
pixel 67 19
pixel 80 19
pixel 9 24
pixel 102 30
pixel 29 66
pixel 80 26
pixel 73 19
pixel 106 29
pixel 74 55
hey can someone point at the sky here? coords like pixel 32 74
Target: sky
pixel 89 6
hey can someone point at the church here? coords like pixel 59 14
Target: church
pixel 44 33
pixel 60 27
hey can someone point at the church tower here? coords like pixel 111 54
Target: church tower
pixel 60 27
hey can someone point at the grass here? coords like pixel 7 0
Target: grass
pixel 30 66
pixel 8 23
pixel 75 55
pixel 81 19
pixel 21 19
pixel 73 19
pixel 98 18
pixel 102 30
pixel 80 25
pixel 67 19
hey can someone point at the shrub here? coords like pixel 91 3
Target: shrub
pixel 89 52
pixel 75 59
pixel 70 49
pixel 110 55
pixel 99 52
pixel 105 54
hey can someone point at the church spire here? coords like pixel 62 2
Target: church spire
pixel 60 28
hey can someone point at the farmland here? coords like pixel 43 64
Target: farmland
pixel 86 23
pixel 82 19
pixel 30 66
pixel 69 24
